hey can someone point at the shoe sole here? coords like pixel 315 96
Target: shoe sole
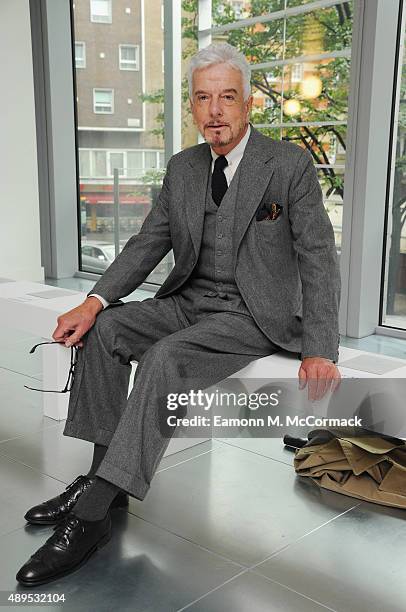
pixel 102 542
pixel 119 504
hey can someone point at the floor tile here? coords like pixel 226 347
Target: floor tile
pixel 51 453
pixel 142 568
pixel 21 487
pixel 392 347
pixel 20 408
pixel 273 448
pixel 188 454
pixel 256 594
pixel 238 504
pixel 355 563
pixel 64 457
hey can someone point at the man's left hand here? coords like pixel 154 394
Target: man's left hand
pixel 320 375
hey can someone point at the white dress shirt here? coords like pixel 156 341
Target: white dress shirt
pixel 233 158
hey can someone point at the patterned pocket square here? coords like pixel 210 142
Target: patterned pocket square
pixel 269 212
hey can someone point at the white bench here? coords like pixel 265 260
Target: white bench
pixel 34 307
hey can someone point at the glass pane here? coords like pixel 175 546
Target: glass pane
pixel 128 54
pixel 320 31
pixel 99 7
pixel 275 133
pixel 119 138
pixel 84 163
pixel 394 307
pixel 331 179
pixel 134 164
pixel 228 11
pixel 261 42
pixel 100 163
pixel 150 159
pixel 327 142
pixel 117 161
pixel 102 97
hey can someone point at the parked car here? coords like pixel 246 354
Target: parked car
pixel 97 256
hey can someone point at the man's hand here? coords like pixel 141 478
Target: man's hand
pixel 72 325
pixel 320 375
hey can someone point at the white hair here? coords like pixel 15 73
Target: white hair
pixel 221 53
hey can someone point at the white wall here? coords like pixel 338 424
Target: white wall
pixel 20 255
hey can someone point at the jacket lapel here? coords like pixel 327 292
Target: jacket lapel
pixel 257 167
pixel 195 182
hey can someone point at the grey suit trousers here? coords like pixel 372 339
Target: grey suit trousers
pixel 178 348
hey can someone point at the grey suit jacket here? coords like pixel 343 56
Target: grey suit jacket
pixel 286 269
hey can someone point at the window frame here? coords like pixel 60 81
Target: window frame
pixel 109 18
pixel 103 89
pixel 83 44
pixel 136 62
pixel 92 164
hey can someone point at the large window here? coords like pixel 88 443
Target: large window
pixel 394 296
pixel 300 55
pixel 119 124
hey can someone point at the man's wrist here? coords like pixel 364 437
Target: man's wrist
pixel 317 357
pixel 101 299
pixel 94 303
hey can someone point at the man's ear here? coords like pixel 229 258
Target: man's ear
pixel 249 105
pixel 191 109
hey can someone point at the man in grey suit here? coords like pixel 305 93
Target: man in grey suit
pixel 255 271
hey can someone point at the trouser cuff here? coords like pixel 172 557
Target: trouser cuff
pixel 133 485
pixel 101 436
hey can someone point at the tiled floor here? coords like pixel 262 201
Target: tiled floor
pixel 225 526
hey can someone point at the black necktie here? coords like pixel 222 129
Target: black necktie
pixel 218 180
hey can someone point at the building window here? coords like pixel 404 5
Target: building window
pixel 134 164
pixel 103 101
pixel 116 160
pixel 99 164
pixel 297 73
pixel 84 163
pixel 80 55
pixel 238 6
pixel 129 57
pixel 151 161
pixel 100 11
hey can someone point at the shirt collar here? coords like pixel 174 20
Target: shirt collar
pixel 238 150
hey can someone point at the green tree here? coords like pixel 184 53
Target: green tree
pixel 330 30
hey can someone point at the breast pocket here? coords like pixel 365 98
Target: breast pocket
pixel 267 229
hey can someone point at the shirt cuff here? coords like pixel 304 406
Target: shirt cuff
pixel 104 302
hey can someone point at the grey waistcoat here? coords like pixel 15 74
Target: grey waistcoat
pixel 211 287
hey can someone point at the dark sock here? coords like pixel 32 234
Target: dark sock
pixel 98 455
pixel 94 503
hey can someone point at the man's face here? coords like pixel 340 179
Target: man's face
pixel 218 106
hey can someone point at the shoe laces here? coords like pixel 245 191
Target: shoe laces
pixel 63 529
pixel 72 484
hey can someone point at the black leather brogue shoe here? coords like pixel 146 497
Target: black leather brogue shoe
pixel 70 547
pixel 53 510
